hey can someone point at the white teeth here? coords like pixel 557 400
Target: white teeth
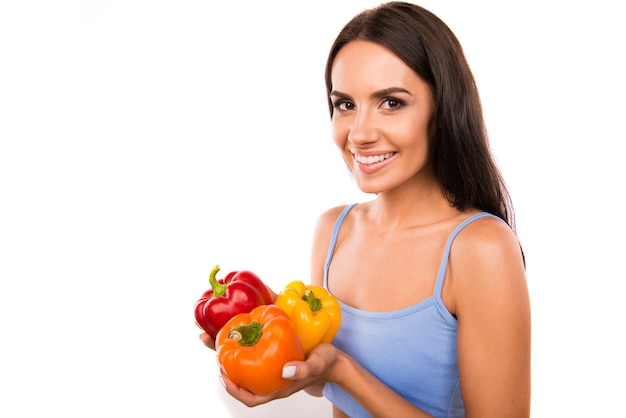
pixel 372 158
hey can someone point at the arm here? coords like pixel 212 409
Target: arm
pixel 490 298
pixel 328 364
pixel 341 369
pixel 321 241
pixel 376 397
pixel 486 289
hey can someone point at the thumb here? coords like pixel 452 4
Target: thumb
pixel 293 370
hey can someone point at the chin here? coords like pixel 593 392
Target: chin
pixel 371 188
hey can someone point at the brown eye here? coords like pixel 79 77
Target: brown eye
pixel 343 106
pixel 392 103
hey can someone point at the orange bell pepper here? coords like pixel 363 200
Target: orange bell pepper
pixel 314 313
pixel 253 347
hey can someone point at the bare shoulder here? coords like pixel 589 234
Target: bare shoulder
pixel 486 261
pixel 321 240
pixel 486 240
pixel 327 219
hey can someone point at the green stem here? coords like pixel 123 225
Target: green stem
pixel 247 335
pixel 314 302
pixel 218 288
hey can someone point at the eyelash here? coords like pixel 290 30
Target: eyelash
pixel 339 103
pixel 399 103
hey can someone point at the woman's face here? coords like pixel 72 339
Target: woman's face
pixel 382 119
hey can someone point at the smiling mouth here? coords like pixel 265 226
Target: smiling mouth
pixel 372 159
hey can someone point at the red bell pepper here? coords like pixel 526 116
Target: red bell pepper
pixel 239 292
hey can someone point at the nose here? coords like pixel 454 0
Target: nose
pixel 363 129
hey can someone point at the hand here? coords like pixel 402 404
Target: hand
pixel 310 374
pixel 207 340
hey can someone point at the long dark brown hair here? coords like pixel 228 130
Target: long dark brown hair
pixel 462 158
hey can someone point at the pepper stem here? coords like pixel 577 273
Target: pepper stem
pixel 218 288
pixel 314 302
pixel 247 335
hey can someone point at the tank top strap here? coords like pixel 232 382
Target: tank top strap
pixel 446 253
pixel 333 240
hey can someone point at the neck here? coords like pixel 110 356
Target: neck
pixel 414 207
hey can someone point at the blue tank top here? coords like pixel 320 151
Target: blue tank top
pixel 422 364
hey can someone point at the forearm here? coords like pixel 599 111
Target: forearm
pixel 372 394
pixel 315 390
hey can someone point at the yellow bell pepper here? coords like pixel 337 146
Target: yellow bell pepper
pixel 313 312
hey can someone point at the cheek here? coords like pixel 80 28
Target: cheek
pixel 339 135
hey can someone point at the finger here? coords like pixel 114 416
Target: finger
pixel 297 370
pixel 207 340
pixel 315 365
pixel 290 371
pixel 242 395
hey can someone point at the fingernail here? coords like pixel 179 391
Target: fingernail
pixel 221 381
pixel 289 372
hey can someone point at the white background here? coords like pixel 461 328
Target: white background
pixel 143 142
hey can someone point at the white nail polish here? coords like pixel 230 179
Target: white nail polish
pixel 289 372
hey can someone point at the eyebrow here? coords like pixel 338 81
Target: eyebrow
pixel 377 94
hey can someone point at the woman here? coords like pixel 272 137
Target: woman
pixel 430 274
